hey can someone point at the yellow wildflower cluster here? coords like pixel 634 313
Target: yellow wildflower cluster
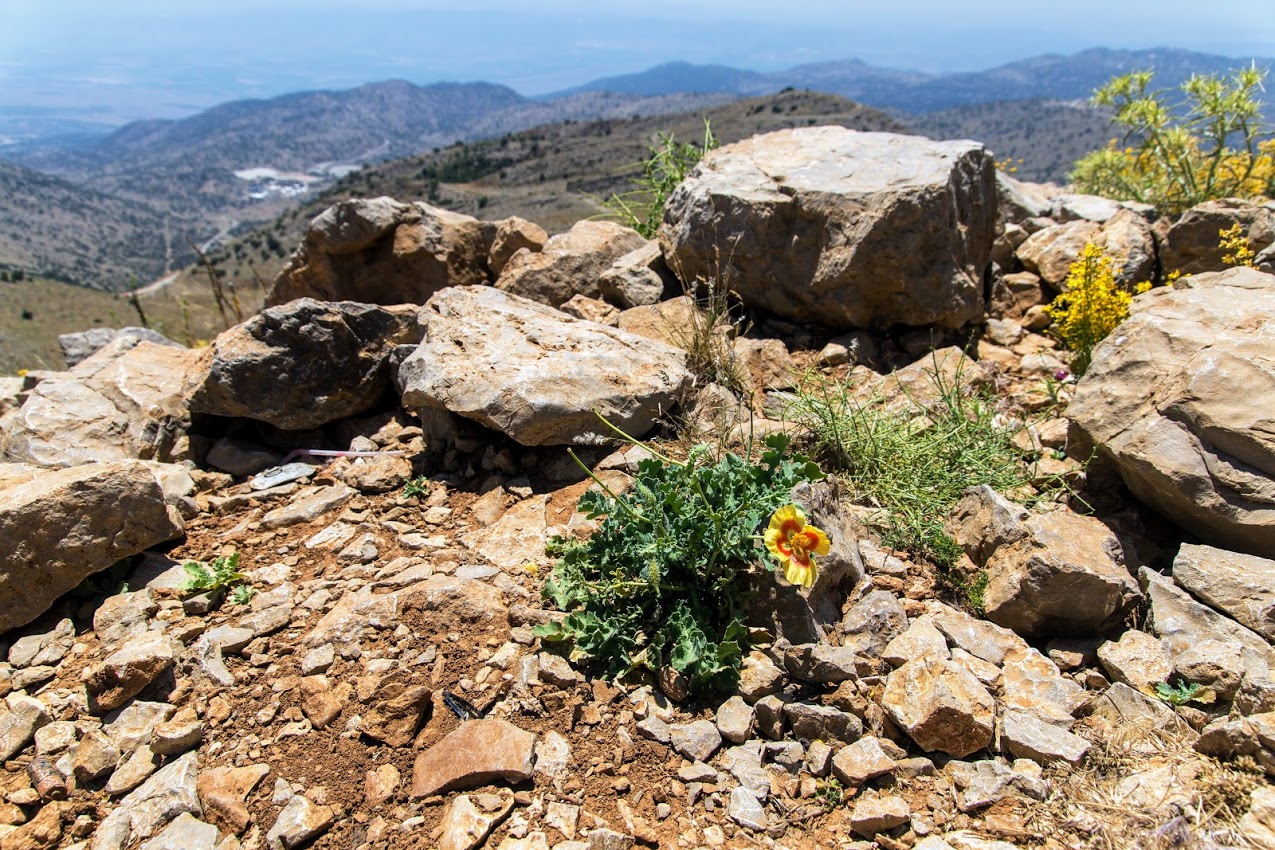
pixel 1091 306
pixel 1236 244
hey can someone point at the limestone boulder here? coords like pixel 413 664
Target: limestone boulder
pixel 1051 251
pixel 61 526
pixel 638 278
pixel 381 251
pixel 1210 648
pixel 1128 240
pixel 1124 235
pixel 1019 200
pixel 1240 586
pixel 570 263
pixel 125 401
pixel 843 228
pixel 512 235
pixel 1181 396
pixel 302 364
pixel 1054 573
pixel 534 373
pixel 1192 243
pixel 941 706
pixel 78 347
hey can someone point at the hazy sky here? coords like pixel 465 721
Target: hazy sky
pixel 122 59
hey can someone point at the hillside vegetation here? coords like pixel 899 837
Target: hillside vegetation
pixel 79 235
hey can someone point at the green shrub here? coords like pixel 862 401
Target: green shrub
pixel 1175 161
pixel 666 167
pixel 661 581
pixel 913 463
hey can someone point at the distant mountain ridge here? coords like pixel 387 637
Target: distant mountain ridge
pixel 223 170
pixel 1053 76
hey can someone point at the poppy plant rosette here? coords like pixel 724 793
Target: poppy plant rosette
pixel 794 544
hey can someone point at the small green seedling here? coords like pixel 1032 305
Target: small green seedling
pixel 242 594
pixel 1183 693
pixel 416 488
pixel 222 574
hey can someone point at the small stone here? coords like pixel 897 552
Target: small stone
pixel 1032 683
pixel 553 754
pixel 697 772
pixel 821 723
pixel 135 769
pixel 318 702
pixel 789 755
pixel 873 622
pixel 735 720
pixel 47 649
pixel 94 757
pixel 856 763
pixel 126 672
pixel 823 664
pixel 380 785
pixel 168 793
pixel 556 671
pixel 563 817
pixel 879 814
pixel 941 706
pixel 466 825
pixel 178 735
pixel 223 791
pixel 759 677
pixel 745 810
pixel 609 839
pixel 475 753
pixel 921 640
pixel 655 729
pixel 1026 736
pixel 318 660
pixel 300 821
pixel 697 740
pixel 24 715
pixel 135 724
pixel 54 738
pixel 768 713
pixel 819 758
pixel 1138 660
pixel 185 832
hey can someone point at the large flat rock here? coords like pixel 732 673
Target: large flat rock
pixel 534 373
pixel 383 251
pixel 840 228
pixel 302 364
pixel 1181 396
pixel 61 526
pixel 125 401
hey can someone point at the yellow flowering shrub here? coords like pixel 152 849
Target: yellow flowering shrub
pixel 1239 252
pixel 1091 306
pixel 1175 159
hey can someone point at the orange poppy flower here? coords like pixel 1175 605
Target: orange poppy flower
pixel 794 544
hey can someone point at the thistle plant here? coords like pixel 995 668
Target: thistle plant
pixel 667 166
pixel 1213 147
pixel 221 574
pixel 661 582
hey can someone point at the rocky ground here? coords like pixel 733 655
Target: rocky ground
pixel 383 686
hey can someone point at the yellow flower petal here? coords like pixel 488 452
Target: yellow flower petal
pixel 801 575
